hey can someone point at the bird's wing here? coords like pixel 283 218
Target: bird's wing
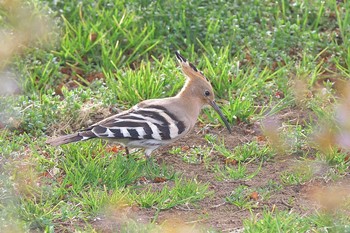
pixel 140 122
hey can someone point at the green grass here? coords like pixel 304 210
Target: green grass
pixel 230 172
pixel 246 152
pixel 282 221
pixel 183 192
pixel 249 198
pixel 240 198
pixel 76 61
pixel 298 175
pixel 195 155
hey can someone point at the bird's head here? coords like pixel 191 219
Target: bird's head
pixel 198 86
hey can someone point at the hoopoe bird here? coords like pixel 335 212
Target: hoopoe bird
pixel 153 123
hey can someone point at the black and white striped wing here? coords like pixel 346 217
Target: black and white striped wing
pixel 151 122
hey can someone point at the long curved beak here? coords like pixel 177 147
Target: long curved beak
pixel 223 118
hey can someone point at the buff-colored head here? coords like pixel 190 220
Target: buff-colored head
pixel 198 86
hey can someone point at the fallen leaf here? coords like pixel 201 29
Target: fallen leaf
pixel 159 180
pixel 231 161
pixel 94 76
pixel 114 148
pixel 66 70
pixel 58 89
pixel 254 196
pixel 279 95
pixel 93 36
pixel 261 138
pixel 143 179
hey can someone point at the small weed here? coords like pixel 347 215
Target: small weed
pixel 98 200
pixel 336 159
pixel 229 172
pixel 240 198
pixel 269 189
pixel 85 168
pixel 182 193
pixel 246 152
pixel 135 226
pixel 278 221
pixel 248 198
pixel 294 138
pixel 297 175
pixel 153 170
pixel 273 186
pixel 175 150
pixel 197 155
pixel 194 155
pixel 333 156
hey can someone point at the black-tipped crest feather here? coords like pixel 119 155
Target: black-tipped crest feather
pixel 179 57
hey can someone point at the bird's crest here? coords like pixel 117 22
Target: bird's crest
pixel 188 68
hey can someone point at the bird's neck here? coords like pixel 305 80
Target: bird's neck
pixel 187 91
pixel 190 103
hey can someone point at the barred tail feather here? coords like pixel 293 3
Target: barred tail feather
pixel 65 139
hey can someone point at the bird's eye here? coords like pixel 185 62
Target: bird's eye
pixel 207 93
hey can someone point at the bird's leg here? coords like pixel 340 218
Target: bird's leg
pixel 149 160
pixel 148 155
pixel 127 152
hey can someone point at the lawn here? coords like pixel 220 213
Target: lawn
pixel 280 71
